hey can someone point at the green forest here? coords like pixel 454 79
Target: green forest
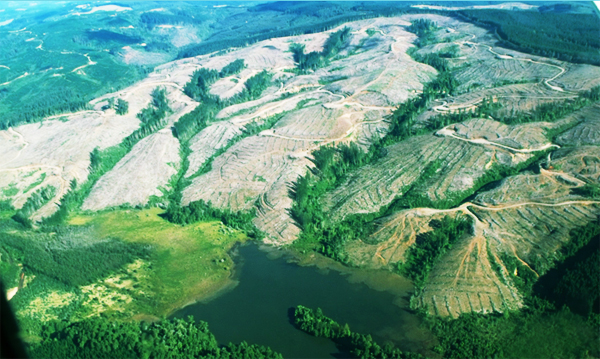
pixel 569 37
pixel 96 338
pixel 317 59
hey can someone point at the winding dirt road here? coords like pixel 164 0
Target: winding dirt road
pixel 447 132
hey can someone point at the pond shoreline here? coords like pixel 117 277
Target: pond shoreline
pixel 267 282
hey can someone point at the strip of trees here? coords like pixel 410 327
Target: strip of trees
pixel 360 346
pixel 200 211
pixel 35 201
pixel 152 118
pixel 430 246
pixel 122 107
pixel 317 59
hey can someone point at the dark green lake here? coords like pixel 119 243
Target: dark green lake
pixel 270 283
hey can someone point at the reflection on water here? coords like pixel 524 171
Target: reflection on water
pixel 257 310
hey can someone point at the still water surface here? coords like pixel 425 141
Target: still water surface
pixel 270 283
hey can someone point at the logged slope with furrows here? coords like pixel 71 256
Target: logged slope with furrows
pixel 516 98
pixel 208 141
pixel 472 275
pixel 57 151
pixel 525 219
pixel 587 132
pixel 349 99
pixel 465 151
pixel 139 175
pixel 344 101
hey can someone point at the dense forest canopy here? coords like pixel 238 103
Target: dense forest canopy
pixel 569 37
pixel 176 338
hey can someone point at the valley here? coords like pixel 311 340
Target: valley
pixel 412 145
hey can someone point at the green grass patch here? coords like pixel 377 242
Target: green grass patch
pixel 11 190
pixel 187 262
pixel 36 183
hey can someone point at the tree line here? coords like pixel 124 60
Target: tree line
pixel 425 30
pixel 201 211
pixel 71 264
pixel 53 105
pixel 232 68
pixel 96 338
pixel 360 346
pixel 36 201
pixel 152 118
pixel 565 36
pixel 152 19
pixel 220 44
pixel 551 111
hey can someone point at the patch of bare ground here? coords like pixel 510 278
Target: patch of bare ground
pixel 465 152
pixel 579 77
pixel 60 150
pixel 256 167
pixel 581 163
pixel 208 141
pixel 142 173
pixel 229 86
pixel 137 56
pixel 358 92
pixel 587 132
pixel 181 35
pixel 60 146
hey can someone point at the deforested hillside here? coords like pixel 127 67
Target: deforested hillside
pixel 383 143
pixel 345 100
pixel 477 184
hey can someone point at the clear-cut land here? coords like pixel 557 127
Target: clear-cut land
pixel 526 217
pixel 141 174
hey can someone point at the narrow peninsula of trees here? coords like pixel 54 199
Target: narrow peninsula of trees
pixel 360 346
pixel 430 246
pixel 232 68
